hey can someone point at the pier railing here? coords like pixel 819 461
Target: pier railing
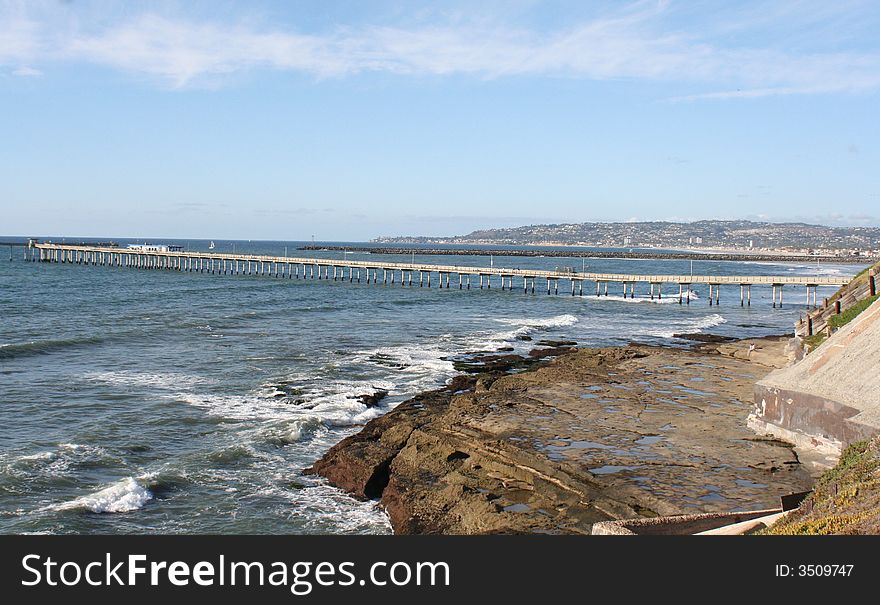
pixel 818 321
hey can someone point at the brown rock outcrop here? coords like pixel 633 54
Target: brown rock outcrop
pixel 594 434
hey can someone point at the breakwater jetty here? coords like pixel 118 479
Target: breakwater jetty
pixel 611 254
pixel 171 258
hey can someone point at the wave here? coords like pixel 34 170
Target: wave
pixel 156 380
pixel 43 347
pixel 334 403
pixel 304 405
pixel 123 496
pixel 550 322
pixel 668 298
pixel 297 430
pixel 709 321
pixel 56 462
pixel 411 359
pixel 164 481
pixel 231 454
pixel 688 327
pixel 530 325
pixel 235 407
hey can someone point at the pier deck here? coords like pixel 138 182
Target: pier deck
pixel 296 267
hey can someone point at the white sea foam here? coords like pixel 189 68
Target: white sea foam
pixel 527 326
pixel 120 497
pixel 686 327
pixel 668 298
pixel 236 407
pixel 709 321
pixel 556 321
pixel 301 427
pixel 38 456
pixel 311 503
pixel 323 508
pixel 333 402
pixel 329 509
pixel 52 463
pixel 402 371
pixel 338 403
pixel 153 380
pixel 411 359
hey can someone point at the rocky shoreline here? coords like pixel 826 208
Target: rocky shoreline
pixel 564 437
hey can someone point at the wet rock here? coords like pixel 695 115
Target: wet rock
pixel 557 343
pixel 360 468
pixel 550 352
pixel 285 390
pixel 699 337
pixel 461 383
pixel 373 399
pixel 388 361
pixel 486 362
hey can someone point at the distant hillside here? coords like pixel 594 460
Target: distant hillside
pixel 700 234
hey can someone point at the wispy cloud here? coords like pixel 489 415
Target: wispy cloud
pixel 26 72
pixel 636 42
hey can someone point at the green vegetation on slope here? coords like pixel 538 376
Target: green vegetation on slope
pixel 838 321
pixel 846 499
pixel 812 342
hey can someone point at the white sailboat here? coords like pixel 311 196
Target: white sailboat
pixel 211 247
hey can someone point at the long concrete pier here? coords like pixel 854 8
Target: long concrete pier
pixel 157 257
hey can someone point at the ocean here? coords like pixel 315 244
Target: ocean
pixel 136 401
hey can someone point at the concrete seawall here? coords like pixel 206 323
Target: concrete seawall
pixel 829 399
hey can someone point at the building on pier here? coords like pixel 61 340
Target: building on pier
pixel 155 247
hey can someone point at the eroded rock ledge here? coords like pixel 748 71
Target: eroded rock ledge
pixel 594 434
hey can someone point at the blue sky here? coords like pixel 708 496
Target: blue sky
pixel 354 119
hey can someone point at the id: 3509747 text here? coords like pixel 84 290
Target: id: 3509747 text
pixel 814 570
